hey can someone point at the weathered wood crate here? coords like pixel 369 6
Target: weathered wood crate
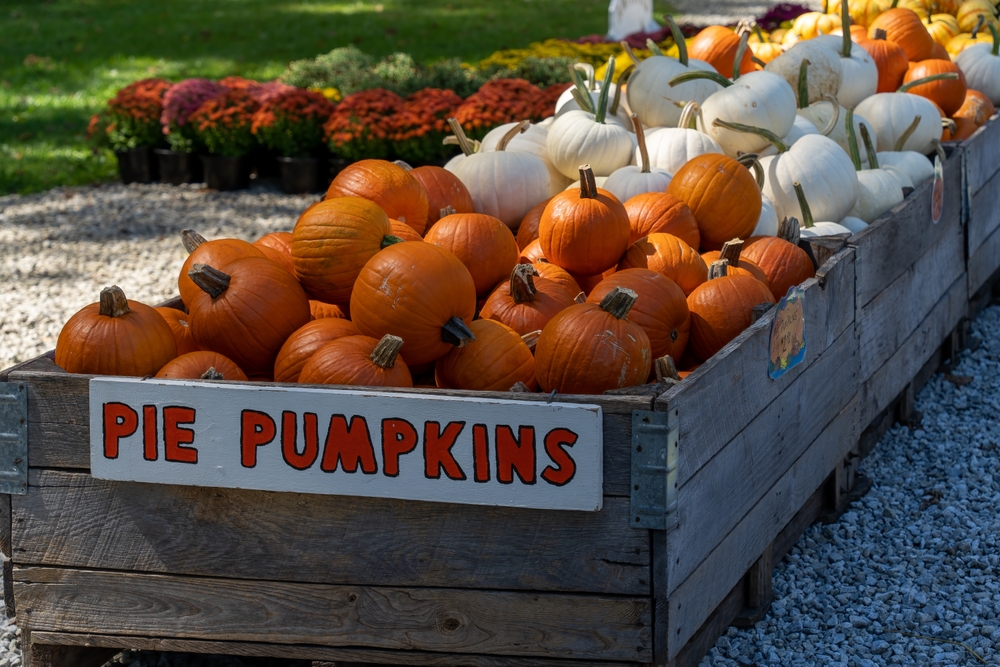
pixel 981 190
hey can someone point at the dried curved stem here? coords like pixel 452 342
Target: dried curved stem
pixel 771 137
pixel 588 182
pixel 901 141
pixel 688 118
pixel 834 117
pixel 618 302
pixel 944 76
pixel 463 141
pixel 807 216
pixel 212 281
pixel 718 269
pixel 731 252
pixel 640 137
pixel 114 303
pixel 211 374
pixel 385 353
pixel 456 332
pixel 513 132
pixel 752 162
pixel 402 163
pixel 622 80
pixel 531 338
pixel 191 240
pixel 522 283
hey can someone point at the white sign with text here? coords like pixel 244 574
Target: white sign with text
pixel 475 451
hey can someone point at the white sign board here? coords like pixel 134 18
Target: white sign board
pixel 626 17
pixel 386 445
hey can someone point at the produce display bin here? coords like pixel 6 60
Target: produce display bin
pixel 981 189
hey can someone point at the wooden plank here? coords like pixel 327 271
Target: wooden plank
pixel 43 655
pixel 5 525
pixel 714 627
pixel 739 371
pixel 428 619
pixel 720 494
pixel 660 602
pixel 304 652
pixel 887 382
pixel 892 244
pixel 73 520
pixel 696 598
pixel 984 260
pixel 42 362
pixel 888 319
pixel 982 155
pixel 59 424
pixel 984 213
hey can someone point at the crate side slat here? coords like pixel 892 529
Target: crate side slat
pixel 982 158
pixel 984 260
pixel 984 213
pixel 429 619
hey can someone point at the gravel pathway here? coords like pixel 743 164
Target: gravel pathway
pixel 727 12
pixel 918 555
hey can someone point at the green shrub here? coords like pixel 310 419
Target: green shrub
pixel 348 69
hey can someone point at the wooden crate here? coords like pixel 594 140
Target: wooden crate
pixel 981 154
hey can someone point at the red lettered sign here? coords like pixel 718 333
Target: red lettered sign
pixel 333 441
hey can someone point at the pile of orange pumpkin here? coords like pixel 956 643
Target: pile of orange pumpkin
pixel 393 280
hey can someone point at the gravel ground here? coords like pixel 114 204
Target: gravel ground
pixel 918 555
pixel 727 12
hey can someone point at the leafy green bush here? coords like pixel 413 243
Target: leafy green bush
pixel 348 69
pixel 543 72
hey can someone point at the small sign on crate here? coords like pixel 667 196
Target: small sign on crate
pixel 478 451
pixel 788 334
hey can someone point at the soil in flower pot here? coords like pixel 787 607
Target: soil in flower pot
pixel 137 166
pixel 301 175
pixel 179 167
pixel 224 172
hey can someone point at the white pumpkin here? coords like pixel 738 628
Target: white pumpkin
pixel 891 115
pixel 801 126
pixel 505 184
pixel 825 172
pixel 767 223
pixel 824 114
pixel 811 228
pixel 671 148
pixel 630 181
pixel 878 190
pixel 468 146
pixel 980 63
pixel 618 116
pixel 901 176
pixel 915 165
pixel 534 141
pixel 858 72
pixel 853 224
pixel 589 80
pixel 824 69
pixel 757 99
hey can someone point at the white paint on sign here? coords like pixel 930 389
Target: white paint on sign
pixel 343 442
pixel 626 17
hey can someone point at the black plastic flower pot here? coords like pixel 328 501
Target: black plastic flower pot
pixel 265 165
pixel 137 166
pixel 178 167
pixel 300 175
pixel 223 172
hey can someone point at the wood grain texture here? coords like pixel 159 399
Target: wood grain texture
pixel 889 319
pixel 305 652
pixel 716 625
pixel 658 540
pixel 427 619
pixel 720 494
pixel 984 261
pixel 984 214
pixel 44 655
pixel 40 363
pixel 885 384
pixel 695 600
pixel 982 155
pixel 739 371
pixel 73 520
pixel 5 525
pixel 892 244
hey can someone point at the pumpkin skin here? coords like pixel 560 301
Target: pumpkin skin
pixel 588 349
pixel 533 253
pixel 404 231
pixel 332 241
pixel 722 195
pixel 974 112
pixel 194 365
pixel 784 263
pixel 178 322
pixel 277 247
pixel 349 361
pixel 947 94
pixel 669 256
pixel 738 266
pixel 496 361
pixel 115 336
pixel 658 212
pixel 484 244
pixel 588 283
pixel 717 46
pixel 306 340
pixel 527 302
pixel 890 60
pixel 412 290
pixel 905 28
pixel 319 310
pixel 528 230
pixel 721 309
pixel 443 189
pixel 661 309
pixel 395 190
pixel 557 274
pixel 251 318
pixel 215 253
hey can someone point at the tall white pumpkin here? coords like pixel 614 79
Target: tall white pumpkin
pixel 533 140
pixel 980 63
pixel 630 181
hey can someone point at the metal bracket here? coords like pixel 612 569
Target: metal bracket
pixel 13 438
pixel 654 470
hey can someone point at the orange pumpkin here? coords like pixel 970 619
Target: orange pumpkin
pixel 661 308
pixel 557 274
pixel 669 256
pixel 938 52
pixel 717 45
pixel 977 106
pixel 394 189
pixel 116 336
pixel 528 230
pixel 333 240
pixel 216 253
pixel 785 264
pixel 496 361
pixel 483 243
pixel 443 189
pixel 721 309
pixel 738 266
pixel 178 322
pixel 890 60
pixel 404 231
pixel 588 283
pixel 948 94
pixel 359 361
pixel 277 247
pixel 302 344
pixel 527 301
pixel 590 348
pixel 202 365
pixel 723 196
pixel 653 212
pixel 533 252
pixel 318 310
pixel 585 230
pixel 419 292
pixel 905 28
pixel 246 310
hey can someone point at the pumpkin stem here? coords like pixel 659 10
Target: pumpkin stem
pixel 834 118
pixel 731 251
pixel 653 47
pixel 852 141
pixel 588 74
pixel 894 3
pixel 666 369
pixel 580 91
pixel 446 211
pixel 752 162
pixel 996 38
pixel 866 139
pixel 191 240
pixel 928 79
pixel 760 310
pixel 580 298
pixel 618 302
pixel 906 134
pixel 531 338
pixel 675 32
pixel 114 303
pixel 757 61
pixel 640 137
pixel 522 283
pixel 939 149
pixel 455 332
pixel 602 98
pixel 949 124
pixel 405 165
pixel 803 88
pixel 807 216
pixel 390 239
pixel 740 51
pixel 845 26
pixel 980 20
pixel 629 52
pixel 758 33
pixel 513 132
pixel 788 230
pixel 520 388
pixel 588 183
pixel 622 80
pixel 759 131
pixel 718 269
pixel 212 281
pixel 211 374
pixel 385 353
pixel 880 34
pixel 693 75
pixel 463 141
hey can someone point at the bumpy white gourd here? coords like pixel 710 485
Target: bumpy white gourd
pixel 878 190
pixel 915 165
pixel 758 99
pixel 980 63
pixel 630 181
pixel 671 148
pixel 892 115
pixel 858 72
pixel 824 69
pixel 534 141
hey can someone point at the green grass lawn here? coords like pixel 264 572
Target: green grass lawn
pixel 60 60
